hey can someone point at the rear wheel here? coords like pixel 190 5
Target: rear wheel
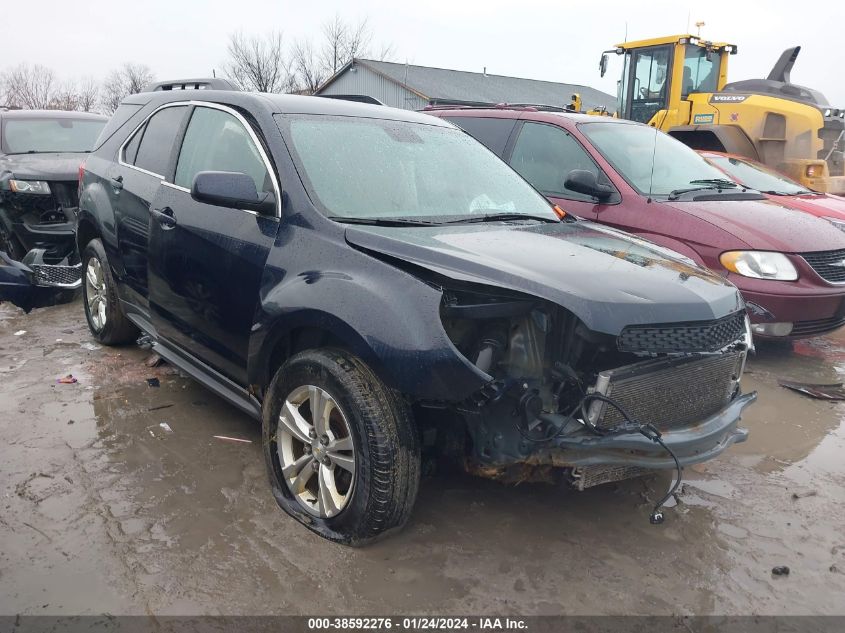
pixel 105 316
pixel 341 448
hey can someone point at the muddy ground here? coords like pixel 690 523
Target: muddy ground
pixel 102 509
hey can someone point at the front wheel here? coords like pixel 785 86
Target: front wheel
pixel 341 449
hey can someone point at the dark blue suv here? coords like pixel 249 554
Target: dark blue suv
pixel 374 285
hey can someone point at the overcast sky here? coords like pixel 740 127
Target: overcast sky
pixel 553 40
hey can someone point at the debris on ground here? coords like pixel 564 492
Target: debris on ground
pixel 154 360
pixel 144 341
pixel 780 570
pixel 801 494
pixel 91 347
pixel 71 421
pixel 160 407
pixel 20 332
pixel 232 439
pixel 834 391
pixel 67 380
pixel 153 382
pixel 166 427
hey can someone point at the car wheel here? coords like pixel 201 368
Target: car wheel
pixel 103 311
pixel 341 448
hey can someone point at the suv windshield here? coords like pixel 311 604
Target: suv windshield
pixel 44 135
pixel 374 168
pixel 652 162
pixel 757 176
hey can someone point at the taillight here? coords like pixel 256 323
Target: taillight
pixel 79 175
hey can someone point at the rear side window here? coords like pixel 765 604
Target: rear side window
pixel 545 154
pixel 125 112
pixel 157 141
pixel 217 141
pixel 130 152
pixel 494 133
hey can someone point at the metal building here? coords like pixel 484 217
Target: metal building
pixel 414 87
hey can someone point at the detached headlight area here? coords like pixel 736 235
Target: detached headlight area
pixel 759 265
pixel 38 187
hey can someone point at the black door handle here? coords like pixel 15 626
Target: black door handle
pixel 117 183
pixel 165 217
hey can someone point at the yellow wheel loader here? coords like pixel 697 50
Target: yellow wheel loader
pixel 679 84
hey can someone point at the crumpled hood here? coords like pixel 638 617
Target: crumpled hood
pixel 53 166
pixel 766 225
pixel 608 279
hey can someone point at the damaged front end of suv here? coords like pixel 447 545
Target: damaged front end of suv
pixel 604 357
pixel 40 157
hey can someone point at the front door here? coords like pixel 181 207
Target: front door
pixel 206 262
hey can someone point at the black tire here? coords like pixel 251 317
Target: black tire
pixel 386 446
pixel 117 329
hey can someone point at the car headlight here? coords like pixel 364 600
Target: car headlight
pixel 839 224
pixel 759 265
pixel 29 186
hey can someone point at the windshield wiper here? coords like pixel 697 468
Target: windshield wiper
pixel 500 217
pixel 386 221
pixel 709 183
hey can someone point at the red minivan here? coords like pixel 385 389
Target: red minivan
pixel 790 266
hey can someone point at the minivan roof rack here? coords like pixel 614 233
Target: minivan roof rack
pixel 357 98
pixel 203 83
pixel 531 107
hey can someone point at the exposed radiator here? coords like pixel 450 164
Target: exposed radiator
pixel 668 393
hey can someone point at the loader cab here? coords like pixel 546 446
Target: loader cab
pixel 659 74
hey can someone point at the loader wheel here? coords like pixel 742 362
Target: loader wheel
pixel 341 448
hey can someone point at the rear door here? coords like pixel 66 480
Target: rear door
pixel 544 154
pixel 206 262
pixel 143 160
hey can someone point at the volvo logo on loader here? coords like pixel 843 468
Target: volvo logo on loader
pixel 728 98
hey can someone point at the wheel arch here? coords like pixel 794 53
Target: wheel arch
pixel 718 138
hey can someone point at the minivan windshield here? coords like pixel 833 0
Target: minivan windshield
pixel 757 176
pixel 650 161
pixel 374 169
pixel 43 135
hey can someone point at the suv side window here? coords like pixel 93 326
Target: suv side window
pixel 217 141
pixel 494 133
pixel 545 154
pixel 156 144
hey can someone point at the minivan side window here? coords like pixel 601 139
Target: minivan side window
pixel 545 154
pixel 157 141
pixel 216 141
pixel 494 133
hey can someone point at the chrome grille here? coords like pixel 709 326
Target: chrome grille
pixel 668 393
pixel 57 276
pixel 830 265
pixel 693 336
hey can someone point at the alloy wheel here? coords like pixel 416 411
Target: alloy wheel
pixel 95 293
pixel 316 451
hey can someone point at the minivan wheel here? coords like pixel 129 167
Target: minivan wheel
pixel 106 319
pixel 341 448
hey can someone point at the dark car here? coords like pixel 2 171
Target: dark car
pixel 630 176
pixel 372 282
pixel 41 152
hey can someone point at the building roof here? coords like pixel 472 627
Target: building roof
pixel 441 85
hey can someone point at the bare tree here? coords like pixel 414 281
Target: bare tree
pixel 342 42
pixel 65 97
pixel 88 92
pixel 309 68
pixel 259 64
pixel 128 79
pixel 29 86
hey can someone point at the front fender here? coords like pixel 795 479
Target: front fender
pixel 388 318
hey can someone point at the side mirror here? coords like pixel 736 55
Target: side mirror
pixel 584 181
pixel 603 64
pixel 231 189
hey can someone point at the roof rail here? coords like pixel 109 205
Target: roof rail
pixel 204 83
pixel 530 107
pixel 358 98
